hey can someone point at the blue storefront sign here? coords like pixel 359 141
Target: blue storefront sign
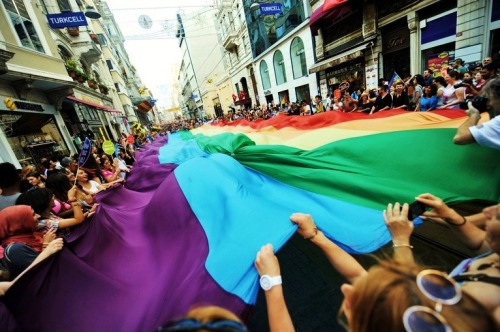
pixel 270 9
pixel 66 20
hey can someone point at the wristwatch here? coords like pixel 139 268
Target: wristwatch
pixel 267 282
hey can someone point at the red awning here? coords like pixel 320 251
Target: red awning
pixel 144 106
pixel 330 10
pixel 98 106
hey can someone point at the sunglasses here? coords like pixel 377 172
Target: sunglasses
pixel 191 324
pixel 439 288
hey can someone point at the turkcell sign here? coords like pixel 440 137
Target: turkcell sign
pixel 66 20
pixel 270 8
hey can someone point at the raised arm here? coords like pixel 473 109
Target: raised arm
pixel 344 263
pixel 463 135
pixel 53 247
pixel 268 266
pixel 396 219
pixel 78 215
pixel 471 235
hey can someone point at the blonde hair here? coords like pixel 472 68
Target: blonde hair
pixel 380 298
pixel 205 314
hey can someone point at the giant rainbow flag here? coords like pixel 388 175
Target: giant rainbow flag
pixel 185 228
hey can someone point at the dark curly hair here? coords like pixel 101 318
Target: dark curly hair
pixel 38 199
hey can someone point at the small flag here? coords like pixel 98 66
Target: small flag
pixel 395 78
pixel 85 153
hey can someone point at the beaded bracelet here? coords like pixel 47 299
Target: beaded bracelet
pixel 402 245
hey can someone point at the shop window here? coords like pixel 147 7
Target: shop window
pixel 64 5
pixel 23 25
pixel 303 93
pixel 279 68
pixel 264 74
pixel 298 57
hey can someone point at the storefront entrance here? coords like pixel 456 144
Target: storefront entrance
pixel 32 136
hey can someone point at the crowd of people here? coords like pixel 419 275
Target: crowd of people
pixel 40 204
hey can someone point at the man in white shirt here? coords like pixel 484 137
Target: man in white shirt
pixel 487 133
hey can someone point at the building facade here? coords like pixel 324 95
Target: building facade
pixel 55 78
pixel 363 41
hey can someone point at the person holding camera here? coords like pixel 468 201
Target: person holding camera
pixel 488 72
pixel 487 133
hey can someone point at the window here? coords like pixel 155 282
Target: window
pixel 18 14
pixel 110 64
pixel 64 53
pixel 279 68
pixel 102 39
pixel 264 74
pixel 298 57
pixel 64 5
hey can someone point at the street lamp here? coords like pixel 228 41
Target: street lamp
pixel 255 6
pixel 92 13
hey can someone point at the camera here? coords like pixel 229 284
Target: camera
pixel 415 210
pixel 461 84
pixel 479 102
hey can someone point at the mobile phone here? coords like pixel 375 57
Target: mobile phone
pixel 416 209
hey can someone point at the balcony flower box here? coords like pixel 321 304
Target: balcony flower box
pixel 73 31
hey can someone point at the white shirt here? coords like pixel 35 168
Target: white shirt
pixel 488 133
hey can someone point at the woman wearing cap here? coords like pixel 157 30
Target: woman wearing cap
pixel 395 295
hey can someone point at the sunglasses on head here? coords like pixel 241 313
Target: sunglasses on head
pixel 439 288
pixel 191 324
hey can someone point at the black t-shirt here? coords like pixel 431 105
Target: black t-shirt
pixel 382 102
pixel 400 101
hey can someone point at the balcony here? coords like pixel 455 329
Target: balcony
pixel 230 40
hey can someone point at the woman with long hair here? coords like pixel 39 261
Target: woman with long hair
pixel 428 102
pixel 60 185
pixel 36 180
pixel 453 96
pixel 441 84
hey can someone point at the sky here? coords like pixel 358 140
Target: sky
pixel 154 52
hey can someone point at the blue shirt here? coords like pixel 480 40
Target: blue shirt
pixel 428 103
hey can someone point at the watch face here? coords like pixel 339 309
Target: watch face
pixel 265 283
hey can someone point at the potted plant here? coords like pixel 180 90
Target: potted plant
pixel 103 88
pixel 73 31
pixel 94 37
pixel 92 83
pixel 81 76
pixel 71 67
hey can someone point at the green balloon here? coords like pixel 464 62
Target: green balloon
pixel 108 147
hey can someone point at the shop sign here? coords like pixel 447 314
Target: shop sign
pixel 397 39
pixel 270 8
pixel 66 20
pixel 336 62
pixel 345 69
pixel 22 105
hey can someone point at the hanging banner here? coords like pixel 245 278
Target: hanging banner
pixel 66 20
